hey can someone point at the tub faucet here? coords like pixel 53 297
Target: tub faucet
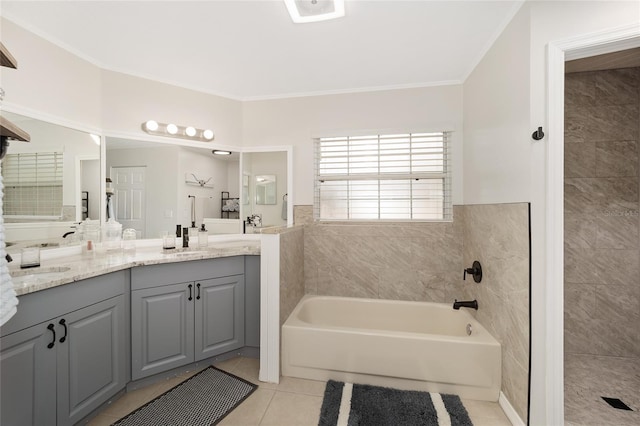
pixel 473 304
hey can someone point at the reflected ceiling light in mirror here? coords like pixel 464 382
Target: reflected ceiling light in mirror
pixel 221 152
pixel 303 11
pixel 189 132
pixel 95 138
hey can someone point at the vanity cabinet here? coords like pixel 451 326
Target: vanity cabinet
pixel 184 312
pixel 64 352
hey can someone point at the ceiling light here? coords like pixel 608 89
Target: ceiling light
pixel 151 125
pixel 221 152
pixel 172 129
pixel 303 11
pixel 207 134
pixel 190 131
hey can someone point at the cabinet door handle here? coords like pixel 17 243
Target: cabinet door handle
pixel 198 295
pixel 63 323
pixel 53 342
pixel 190 292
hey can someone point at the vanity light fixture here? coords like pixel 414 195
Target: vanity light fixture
pixel 151 125
pixel 221 152
pixel 303 11
pixel 189 132
pixel 207 134
pixel 172 129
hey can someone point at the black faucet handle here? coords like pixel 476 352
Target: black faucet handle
pixel 475 270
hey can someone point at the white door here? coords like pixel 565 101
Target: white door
pixel 129 197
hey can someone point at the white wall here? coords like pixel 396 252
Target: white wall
pixel 496 121
pixel 129 101
pixel 50 79
pixel 204 165
pixel 295 121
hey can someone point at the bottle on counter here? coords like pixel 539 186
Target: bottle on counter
pixel 203 237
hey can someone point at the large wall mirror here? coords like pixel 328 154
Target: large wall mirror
pixel 50 183
pixel 157 186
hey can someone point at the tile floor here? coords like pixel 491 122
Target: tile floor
pixel 294 402
pixel 588 378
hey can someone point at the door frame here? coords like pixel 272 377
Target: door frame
pixel 611 40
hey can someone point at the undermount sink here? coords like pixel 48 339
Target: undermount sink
pixel 233 243
pixel 186 253
pixel 38 274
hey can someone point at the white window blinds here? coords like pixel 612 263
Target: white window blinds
pixel 33 184
pixel 383 177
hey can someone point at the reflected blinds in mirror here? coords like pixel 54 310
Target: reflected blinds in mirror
pixel 33 185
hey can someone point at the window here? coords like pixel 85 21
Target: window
pixel 33 185
pixel 383 177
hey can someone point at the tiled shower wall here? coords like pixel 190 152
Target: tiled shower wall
pixel 602 251
pixel 497 235
pixel 291 270
pixel 400 261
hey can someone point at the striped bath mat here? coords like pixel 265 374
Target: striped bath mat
pixel 347 404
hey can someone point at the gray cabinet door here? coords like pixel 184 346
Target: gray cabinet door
pixel 28 368
pixel 91 358
pixel 219 320
pixel 161 328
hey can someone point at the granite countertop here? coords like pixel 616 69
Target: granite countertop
pixel 70 264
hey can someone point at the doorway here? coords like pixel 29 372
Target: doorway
pixel 558 52
pixel 129 198
pixel 602 242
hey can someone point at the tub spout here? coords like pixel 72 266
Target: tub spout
pixel 473 304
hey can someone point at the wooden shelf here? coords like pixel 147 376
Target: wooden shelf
pixel 11 131
pixel 6 58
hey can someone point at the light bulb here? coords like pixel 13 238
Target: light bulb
pixel 207 134
pixel 172 129
pixel 151 125
pixel 190 131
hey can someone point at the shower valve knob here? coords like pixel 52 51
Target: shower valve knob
pixel 475 271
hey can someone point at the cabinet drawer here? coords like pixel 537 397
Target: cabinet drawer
pixel 171 273
pixel 44 305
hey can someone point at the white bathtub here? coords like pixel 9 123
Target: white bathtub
pixel 406 345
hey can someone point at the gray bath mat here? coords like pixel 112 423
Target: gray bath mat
pixel 202 400
pixel 364 405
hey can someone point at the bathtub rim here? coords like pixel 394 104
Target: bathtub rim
pixel 481 336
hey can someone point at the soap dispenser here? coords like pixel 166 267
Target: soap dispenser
pixel 203 237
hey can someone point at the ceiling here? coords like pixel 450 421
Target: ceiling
pixel 250 50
